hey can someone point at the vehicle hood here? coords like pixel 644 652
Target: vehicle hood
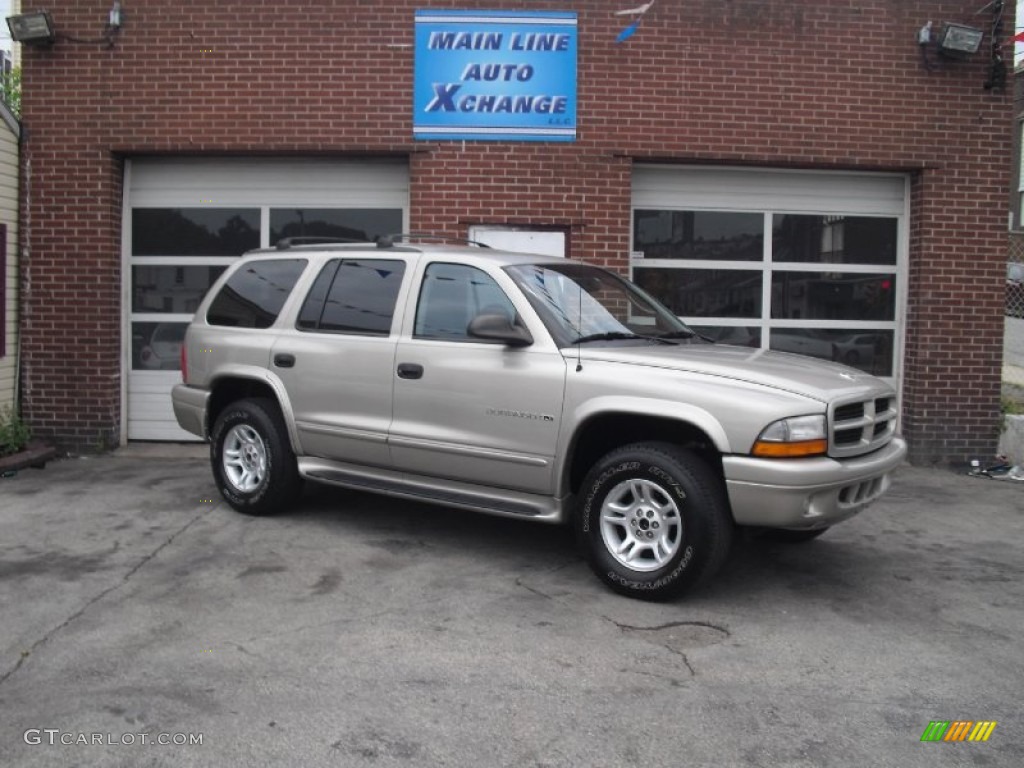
pixel 806 376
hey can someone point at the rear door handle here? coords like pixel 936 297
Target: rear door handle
pixel 284 360
pixel 410 371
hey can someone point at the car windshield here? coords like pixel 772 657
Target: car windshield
pixel 580 303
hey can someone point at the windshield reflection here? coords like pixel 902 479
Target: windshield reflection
pixel 578 301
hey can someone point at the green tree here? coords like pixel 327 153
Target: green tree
pixel 10 90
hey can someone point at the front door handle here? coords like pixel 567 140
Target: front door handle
pixel 284 360
pixel 410 371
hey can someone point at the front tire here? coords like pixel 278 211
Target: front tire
pixel 253 463
pixel 653 520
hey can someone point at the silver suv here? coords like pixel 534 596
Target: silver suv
pixel 528 387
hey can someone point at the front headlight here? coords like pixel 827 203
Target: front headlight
pixel 793 437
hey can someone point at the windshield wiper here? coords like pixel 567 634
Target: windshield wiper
pixel 678 335
pixel 617 335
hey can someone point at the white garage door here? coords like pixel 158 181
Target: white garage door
pixel 186 220
pixel 807 262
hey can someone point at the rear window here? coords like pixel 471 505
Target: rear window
pixel 253 296
pixel 353 296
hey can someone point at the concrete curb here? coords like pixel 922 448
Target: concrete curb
pixel 1011 441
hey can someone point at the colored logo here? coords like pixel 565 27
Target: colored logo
pixel 958 730
pixel 495 75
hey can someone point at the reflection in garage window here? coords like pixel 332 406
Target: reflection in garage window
pixel 871 351
pixel 845 313
pixel 357 224
pixel 194 231
pixel 717 235
pixel 703 292
pixel 157 346
pixel 833 296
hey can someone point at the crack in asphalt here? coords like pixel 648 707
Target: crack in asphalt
pixel 92 601
pixel 670 625
pixel 539 592
pixel 623 627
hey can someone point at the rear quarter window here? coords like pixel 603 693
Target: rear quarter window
pixel 253 296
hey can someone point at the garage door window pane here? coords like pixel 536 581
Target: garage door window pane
pixel 171 289
pixel 869 350
pixel 704 292
pixel 833 296
pixel 362 224
pixel 157 346
pixel 834 239
pixel 716 235
pixel 194 231
pixel 735 335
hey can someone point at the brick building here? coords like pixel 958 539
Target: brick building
pixel 783 173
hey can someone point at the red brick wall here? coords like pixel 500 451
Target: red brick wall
pixel 774 83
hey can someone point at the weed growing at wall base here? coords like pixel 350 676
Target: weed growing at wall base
pixel 14 434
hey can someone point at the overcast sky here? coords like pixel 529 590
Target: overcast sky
pixel 5 33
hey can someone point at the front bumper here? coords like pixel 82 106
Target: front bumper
pixel 190 408
pixel 807 493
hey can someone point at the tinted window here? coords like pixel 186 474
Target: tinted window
pixel 704 292
pixel 157 346
pixel 194 231
pixel 364 224
pixel 354 296
pixel 253 296
pixel 313 306
pixel 171 288
pixel 869 350
pixel 716 235
pixel 834 239
pixel 451 296
pixel 833 296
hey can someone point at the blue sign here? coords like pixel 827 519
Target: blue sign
pixel 497 75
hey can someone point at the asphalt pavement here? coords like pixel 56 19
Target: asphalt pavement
pixel 360 631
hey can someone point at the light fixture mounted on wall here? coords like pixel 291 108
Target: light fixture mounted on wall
pixel 959 41
pixel 36 28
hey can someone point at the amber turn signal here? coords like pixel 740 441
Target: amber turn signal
pixel 790 450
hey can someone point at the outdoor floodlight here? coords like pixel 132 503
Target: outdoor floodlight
pixel 35 28
pixel 959 41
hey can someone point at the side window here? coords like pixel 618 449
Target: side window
pixel 253 296
pixel 451 296
pixel 353 296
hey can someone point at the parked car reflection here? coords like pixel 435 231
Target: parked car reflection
pixel 161 349
pixel 870 351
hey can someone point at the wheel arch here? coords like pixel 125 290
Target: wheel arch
pixel 603 431
pixel 229 388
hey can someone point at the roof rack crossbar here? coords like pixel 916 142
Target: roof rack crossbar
pixel 387 241
pixel 287 242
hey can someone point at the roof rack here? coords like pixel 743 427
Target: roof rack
pixel 287 242
pixel 388 241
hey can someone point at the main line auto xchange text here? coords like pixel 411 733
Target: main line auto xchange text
pixel 445 93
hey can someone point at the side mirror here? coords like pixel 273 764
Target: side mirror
pixel 498 328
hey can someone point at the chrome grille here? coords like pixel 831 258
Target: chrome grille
pixel 860 426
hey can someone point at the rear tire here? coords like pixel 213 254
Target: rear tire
pixel 653 520
pixel 252 459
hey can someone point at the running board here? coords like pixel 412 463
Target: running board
pixel 451 493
